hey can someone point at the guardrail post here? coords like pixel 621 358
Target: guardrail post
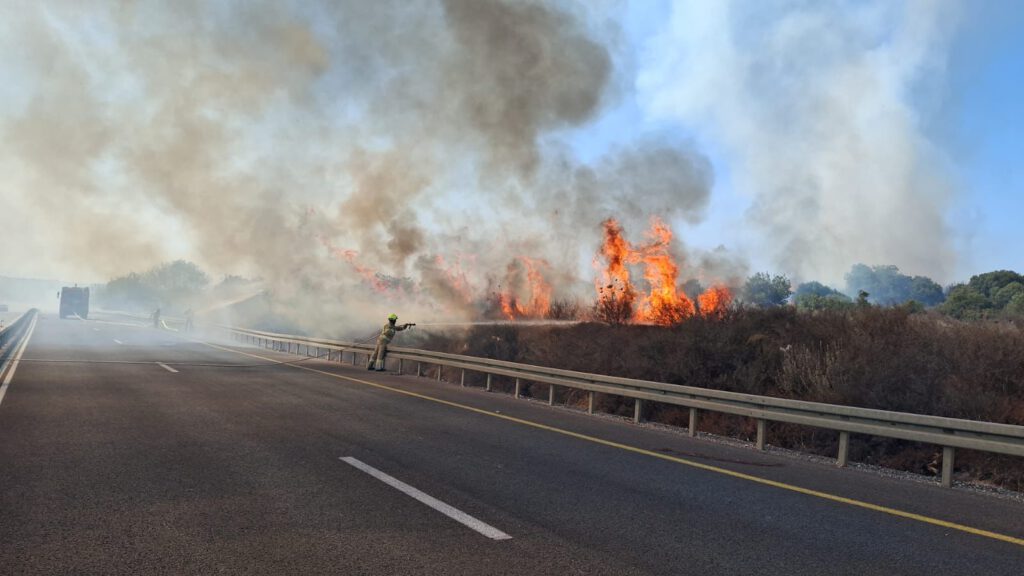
pixel 439 368
pixel 590 402
pixel 693 422
pixel 762 429
pixel 400 366
pixel 488 382
pixel 948 454
pixel 517 387
pixel 462 380
pixel 638 408
pixel 551 394
pixel 419 369
pixel 844 449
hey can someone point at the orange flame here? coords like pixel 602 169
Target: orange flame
pixel 664 303
pixel 715 301
pixel 368 274
pixel 351 256
pixel 534 287
pixel 614 289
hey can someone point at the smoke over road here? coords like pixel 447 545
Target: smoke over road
pixel 305 142
pixel 818 103
pixel 340 149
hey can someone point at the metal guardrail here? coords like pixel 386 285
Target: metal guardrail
pixel 949 433
pixel 11 334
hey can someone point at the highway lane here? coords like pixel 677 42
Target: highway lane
pixel 111 463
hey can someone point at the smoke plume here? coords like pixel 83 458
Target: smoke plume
pixel 818 107
pixel 329 148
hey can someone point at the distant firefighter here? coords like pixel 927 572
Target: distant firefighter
pixel 156 318
pixel 386 335
pixel 189 320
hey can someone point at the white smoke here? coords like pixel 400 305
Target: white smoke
pixel 299 142
pixel 819 107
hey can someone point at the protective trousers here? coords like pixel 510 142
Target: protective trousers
pixel 377 359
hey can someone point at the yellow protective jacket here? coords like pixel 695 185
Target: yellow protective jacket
pixel 388 332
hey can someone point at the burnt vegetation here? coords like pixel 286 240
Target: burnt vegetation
pixel 889 358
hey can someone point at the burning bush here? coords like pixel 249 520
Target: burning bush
pixel 664 303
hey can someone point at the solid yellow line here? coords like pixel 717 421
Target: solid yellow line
pixel 699 465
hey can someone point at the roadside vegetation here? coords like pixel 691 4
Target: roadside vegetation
pixel 915 348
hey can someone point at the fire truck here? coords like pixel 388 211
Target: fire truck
pixel 74 302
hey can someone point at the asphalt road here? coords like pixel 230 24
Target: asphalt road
pixel 228 463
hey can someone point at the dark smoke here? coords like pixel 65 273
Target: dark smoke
pixel 267 138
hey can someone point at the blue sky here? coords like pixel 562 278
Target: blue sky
pixel 986 136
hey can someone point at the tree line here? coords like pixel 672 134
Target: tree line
pixel 172 286
pixel 995 294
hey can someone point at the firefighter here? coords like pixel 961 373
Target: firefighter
pixel 386 334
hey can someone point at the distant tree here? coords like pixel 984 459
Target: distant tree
pixel 170 284
pixel 1015 307
pixel 814 302
pixel 176 280
pixel 912 306
pixel 817 296
pixel 129 292
pixel 965 302
pixel 815 288
pixel 889 287
pixel 232 281
pixel 766 290
pixel 1006 294
pixel 862 299
pixel 989 283
pixel 926 291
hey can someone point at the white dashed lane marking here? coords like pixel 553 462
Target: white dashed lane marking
pixel 449 511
